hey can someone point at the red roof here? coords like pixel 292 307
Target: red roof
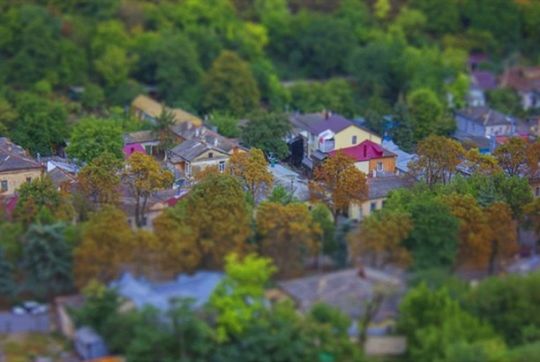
pixel 365 151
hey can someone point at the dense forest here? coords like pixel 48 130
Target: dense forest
pixel 61 59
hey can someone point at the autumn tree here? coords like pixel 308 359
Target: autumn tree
pixel 251 168
pixel 144 176
pixel 474 230
pixel 512 156
pixel 379 238
pixel 437 160
pixel 105 247
pixel 503 238
pixel 532 212
pixel 288 235
pixel 478 163
pixel 229 85
pixel 100 179
pixel 217 214
pixel 161 129
pixel 338 183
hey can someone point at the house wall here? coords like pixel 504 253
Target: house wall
pixel 467 126
pixel 16 178
pixel 344 138
pixel 499 130
pixel 358 212
pixel 363 166
pixel 389 164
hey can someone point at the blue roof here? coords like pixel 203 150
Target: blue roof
pixel 197 287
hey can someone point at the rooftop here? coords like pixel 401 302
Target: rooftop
pixel 140 137
pixel 154 109
pixel 486 116
pixel 13 157
pixel 188 131
pixel 403 158
pixel 522 79
pixel 379 187
pixel 365 151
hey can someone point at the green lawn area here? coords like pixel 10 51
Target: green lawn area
pixel 24 347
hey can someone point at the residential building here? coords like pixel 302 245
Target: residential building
pixel 188 131
pixel 402 158
pixel 485 122
pixel 371 158
pixel 378 190
pixel 481 82
pixel 148 109
pixel 526 82
pixel 192 156
pixel 141 141
pixel 16 167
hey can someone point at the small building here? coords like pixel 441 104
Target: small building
pixel 526 82
pixel 485 122
pixel 378 190
pixel 188 131
pixel 141 141
pixel 191 157
pixel 16 167
pixel 371 158
pixel 88 344
pixel 148 109
pixel 402 158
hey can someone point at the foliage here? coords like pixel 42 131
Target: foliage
pixel 337 183
pixel 226 124
pixel 92 137
pixel 322 217
pixel 266 132
pixel 428 114
pixel 8 287
pixel 512 156
pixel 251 168
pixel 99 180
pixel 239 297
pixel 335 95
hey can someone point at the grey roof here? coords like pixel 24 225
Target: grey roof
pixel 343 289
pixel 204 134
pixel 197 287
pixel 403 158
pixel 140 137
pixel 486 116
pixel 316 123
pixel 380 187
pixel 187 150
pixel 59 176
pixel 13 157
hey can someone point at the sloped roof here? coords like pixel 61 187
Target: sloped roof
pixel 142 292
pixel 154 109
pixel 486 116
pixel 380 187
pixel 140 137
pixel 187 150
pixel 315 123
pixel 188 131
pixel 522 79
pixel 484 80
pixel 60 177
pixel 365 151
pixel 403 158
pixel 13 157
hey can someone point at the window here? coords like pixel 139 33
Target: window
pixel 354 140
pixel 379 166
pixel 4 186
pixel 29 179
pixel 373 206
pixel 221 166
pixel 210 154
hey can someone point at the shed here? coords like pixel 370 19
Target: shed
pixel 89 344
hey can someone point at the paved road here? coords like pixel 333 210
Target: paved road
pixel 291 180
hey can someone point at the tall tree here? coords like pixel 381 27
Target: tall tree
pixel 230 86
pixel 252 169
pixel 428 114
pixel 379 239
pixel 338 183
pixel 91 137
pixel 503 238
pixel 161 130
pixel 266 131
pixel 288 235
pixel 8 286
pixel 100 179
pixel 144 176
pixel 512 156
pixel 47 260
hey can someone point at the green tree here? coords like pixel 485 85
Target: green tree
pixel 226 124
pixel 92 137
pixel 229 86
pixel 266 131
pixel 47 260
pixel 100 179
pixel 8 286
pixel 428 114
pixel 113 65
pixel 239 297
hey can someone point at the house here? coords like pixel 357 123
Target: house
pixel 141 292
pixel 16 167
pixel 148 109
pixel 526 82
pixel 481 82
pixel 189 131
pixel 402 158
pixel 378 190
pixel 62 172
pixel 315 135
pixel 485 122
pixel 192 156
pixel 371 158
pixel 140 141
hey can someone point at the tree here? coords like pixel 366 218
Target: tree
pixel 336 95
pixel 481 164
pixel 100 179
pixel 503 238
pixel 281 195
pixel 217 214
pixel 266 131
pixel 433 323
pixel 92 137
pixel 379 239
pixel 8 286
pixel 113 65
pixel 532 212
pixel 144 176
pixel 322 217
pixel 161 129
pixel 229 86
pixel 7 116
pixel 227 124
pixel 105 248
pixel 505 100
pixel 381 9
pixel 437 161
pixel 337 183
pixel 251 168
pixel 239 297
pixel 512 156
pixel 288 236
pixel 47 260
pixel 428 114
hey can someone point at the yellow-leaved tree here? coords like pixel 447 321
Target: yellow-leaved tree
pixel 252 169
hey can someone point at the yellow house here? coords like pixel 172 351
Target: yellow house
pixel 16 167
pixel 148 109
pixel 354 135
